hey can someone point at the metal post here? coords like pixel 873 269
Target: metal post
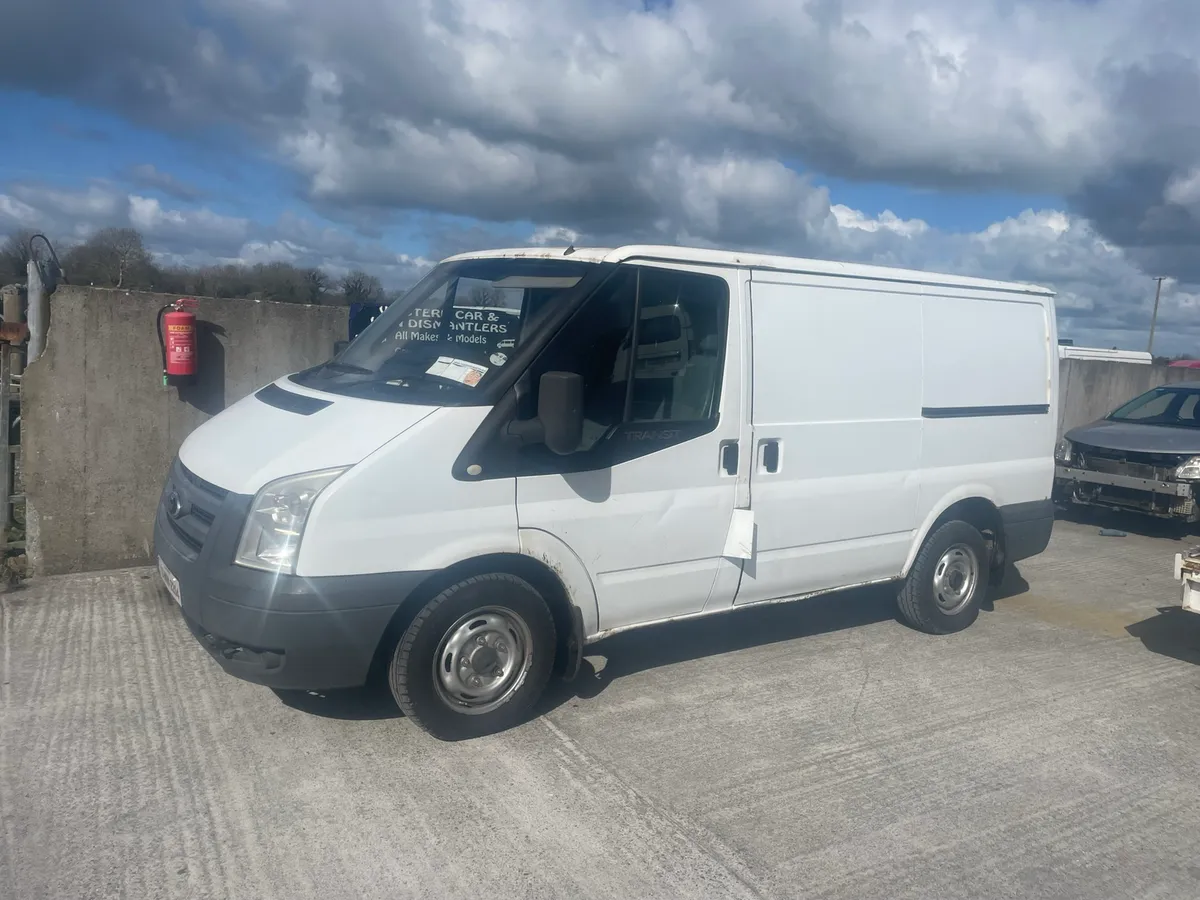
pixel 1154 315
pixel 6 457
pixel 39 313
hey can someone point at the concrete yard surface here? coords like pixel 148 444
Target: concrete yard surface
pixel 812 750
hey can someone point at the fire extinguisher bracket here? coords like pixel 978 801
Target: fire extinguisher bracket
pixel 177 340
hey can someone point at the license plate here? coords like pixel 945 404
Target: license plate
pixel 171 582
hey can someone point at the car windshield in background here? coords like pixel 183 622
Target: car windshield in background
pixel 1175 407
pixel 453 333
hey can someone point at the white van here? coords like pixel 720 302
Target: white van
pixel 534 449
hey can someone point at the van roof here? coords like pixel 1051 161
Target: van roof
pixel 701 256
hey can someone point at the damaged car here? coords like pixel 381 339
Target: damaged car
pixel 1143 457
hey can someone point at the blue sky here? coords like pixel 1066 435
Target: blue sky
pixel 74 144
pixel 1026 139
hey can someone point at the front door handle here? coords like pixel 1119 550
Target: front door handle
pixel 729 457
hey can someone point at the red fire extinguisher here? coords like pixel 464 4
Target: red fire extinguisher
pixel 177 338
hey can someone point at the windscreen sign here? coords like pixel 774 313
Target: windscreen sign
pixel 480 320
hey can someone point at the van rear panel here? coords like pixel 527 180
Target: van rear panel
pixel 837 385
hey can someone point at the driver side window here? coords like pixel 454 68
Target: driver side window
pixel 677 323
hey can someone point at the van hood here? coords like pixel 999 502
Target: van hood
pixel 1131 437
pixel 285 429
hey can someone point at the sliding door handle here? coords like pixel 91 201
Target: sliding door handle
pixel 769 456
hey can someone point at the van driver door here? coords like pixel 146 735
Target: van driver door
pixel 645 502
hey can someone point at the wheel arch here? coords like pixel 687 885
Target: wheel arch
pixel 975 505
pixel 569 625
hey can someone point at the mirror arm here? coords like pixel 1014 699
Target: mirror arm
pixel 528 431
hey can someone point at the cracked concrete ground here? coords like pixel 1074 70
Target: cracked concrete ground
pixel 812 750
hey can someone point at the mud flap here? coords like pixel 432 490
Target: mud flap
pixel 997 564
pixel 573 657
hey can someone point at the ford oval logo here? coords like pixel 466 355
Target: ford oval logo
pixel 174 505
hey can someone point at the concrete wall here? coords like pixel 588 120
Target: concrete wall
pixel 99 430
pixel 1089 389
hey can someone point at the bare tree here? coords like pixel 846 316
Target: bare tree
pixel 14 255
pixel 114 257
pixel 359 287
pixel 485 296
pixel 316 283
pixel 117 257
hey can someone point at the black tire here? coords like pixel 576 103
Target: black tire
pixel 918 598
pixel 423 696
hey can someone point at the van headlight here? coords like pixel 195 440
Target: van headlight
pixel 271 535
pixel 1064 452
pixel 1190 470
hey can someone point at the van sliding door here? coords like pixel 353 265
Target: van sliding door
pixel 836 431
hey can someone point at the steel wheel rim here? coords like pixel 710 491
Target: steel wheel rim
pixel 482 660
pixel 955 578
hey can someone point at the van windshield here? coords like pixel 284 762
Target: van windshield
pixel 451 335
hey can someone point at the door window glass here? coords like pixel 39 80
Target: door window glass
pixel 680 338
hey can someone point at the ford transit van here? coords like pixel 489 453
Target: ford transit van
pixel 534 449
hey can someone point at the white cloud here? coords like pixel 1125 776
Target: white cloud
pixel 553 235
pixel 17 213
pixel 887 221
pixel 194 227
pixel 1184 190
pixel 97 201
pixel 266 252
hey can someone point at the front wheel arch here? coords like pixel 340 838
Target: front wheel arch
pixel 568 621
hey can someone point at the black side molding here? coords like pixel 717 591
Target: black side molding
pixel 979 412
pixel 274 395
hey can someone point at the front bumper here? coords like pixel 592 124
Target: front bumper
pixel 283 631
pixel 1166 499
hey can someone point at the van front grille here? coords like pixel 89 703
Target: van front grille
pixel 190 505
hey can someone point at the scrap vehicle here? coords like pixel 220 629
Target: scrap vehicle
pixel 1142 457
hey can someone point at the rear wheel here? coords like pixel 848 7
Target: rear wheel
pixel 948 580
pixel 475 659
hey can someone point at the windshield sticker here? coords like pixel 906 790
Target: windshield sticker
pixel 486 328
pixel 459 370
pixel 420 325
pixel 498 359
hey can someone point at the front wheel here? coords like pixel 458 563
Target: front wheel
pixel 947 581
pixel 475 659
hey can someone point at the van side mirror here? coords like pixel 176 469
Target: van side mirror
pixel 560 410
pixel 559 422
